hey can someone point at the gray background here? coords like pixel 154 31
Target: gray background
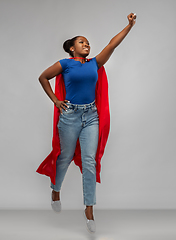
pixel 138 168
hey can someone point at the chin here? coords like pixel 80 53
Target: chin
pixel 85 55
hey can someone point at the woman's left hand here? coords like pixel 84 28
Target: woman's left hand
pixel 132 19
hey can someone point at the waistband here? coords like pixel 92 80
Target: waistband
pixel 81 106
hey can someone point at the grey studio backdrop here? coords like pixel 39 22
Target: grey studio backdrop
pixel 138 168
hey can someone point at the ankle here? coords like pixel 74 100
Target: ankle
pixel 89 212
pixel 55 196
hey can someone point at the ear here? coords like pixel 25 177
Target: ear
pixel 72 49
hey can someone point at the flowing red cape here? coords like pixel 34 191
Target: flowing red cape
pixel 48 166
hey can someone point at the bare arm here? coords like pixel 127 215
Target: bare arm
pixel 44 78
pixel 105 54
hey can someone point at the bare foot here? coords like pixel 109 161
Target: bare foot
pixel 89 212
pixel 55 196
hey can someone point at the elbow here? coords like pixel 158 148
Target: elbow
pixel 40 78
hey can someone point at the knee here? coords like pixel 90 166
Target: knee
pixel 63 161
pixel 89 163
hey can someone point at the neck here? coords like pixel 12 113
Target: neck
pixel 81 59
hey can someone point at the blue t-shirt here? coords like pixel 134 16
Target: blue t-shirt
pixel 80 80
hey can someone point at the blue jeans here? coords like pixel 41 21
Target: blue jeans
pixel 79 121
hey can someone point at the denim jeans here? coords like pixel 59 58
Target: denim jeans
pixel 79 121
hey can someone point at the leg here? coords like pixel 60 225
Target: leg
pixel 88 142
pixel 68 134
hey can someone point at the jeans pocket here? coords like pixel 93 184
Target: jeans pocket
pixel 94 109
pixel 68 111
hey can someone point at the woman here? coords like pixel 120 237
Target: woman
pixel 78 115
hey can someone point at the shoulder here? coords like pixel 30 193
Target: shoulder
pixel 65 63
pixel 64 60
pixel 94 61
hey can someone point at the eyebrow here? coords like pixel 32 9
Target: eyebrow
pixel 83 40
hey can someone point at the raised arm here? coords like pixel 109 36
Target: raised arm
pixel 105 54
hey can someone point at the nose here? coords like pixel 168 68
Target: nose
pixel 86 45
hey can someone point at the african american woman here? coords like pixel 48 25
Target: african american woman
pixel 81 117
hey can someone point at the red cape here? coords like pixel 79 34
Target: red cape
pixel 48 166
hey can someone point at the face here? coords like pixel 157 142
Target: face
pixel 81 47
